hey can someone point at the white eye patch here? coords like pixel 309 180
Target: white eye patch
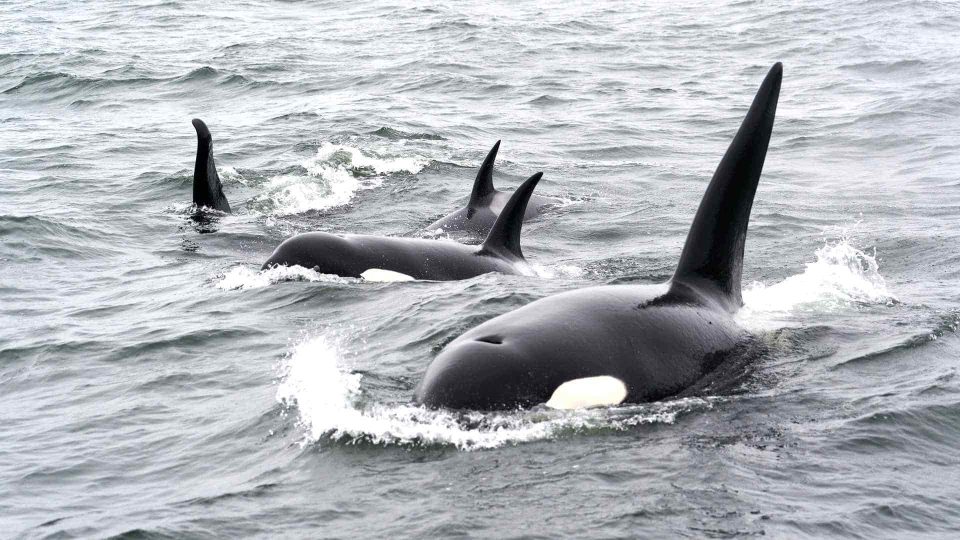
pixel 379 274
pixel 588 392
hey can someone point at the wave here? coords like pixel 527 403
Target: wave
pixel 37 237
pixel 332 177
pixel 555 271
pixel 332 408
pixel 841 277
pixel 396 134
pixel 47 81
pixel 242 277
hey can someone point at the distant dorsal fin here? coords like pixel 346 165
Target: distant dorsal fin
pixel 713 252
pixel 483 185
pixel 504 237
pixel 207 189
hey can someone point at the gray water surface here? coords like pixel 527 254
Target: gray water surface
pixel 153 384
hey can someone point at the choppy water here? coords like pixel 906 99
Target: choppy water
pixel 153 384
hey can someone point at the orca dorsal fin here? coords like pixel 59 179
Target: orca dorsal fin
pixel 713 253
pixel 504 237
pixel 207 189
pixel 483 185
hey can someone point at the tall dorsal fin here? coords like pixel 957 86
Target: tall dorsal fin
pixel 713 252
pixel 504 237
pixel 483 185
pixel 207 189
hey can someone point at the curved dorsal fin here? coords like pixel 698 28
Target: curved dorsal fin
pixel 207 189
pixel 713 252
pixel 483 185
pixel 504 237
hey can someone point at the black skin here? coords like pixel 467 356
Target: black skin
pixel 350 255
pixel 207 189
pixel 486 204
pixel 658 339
pixel 478 221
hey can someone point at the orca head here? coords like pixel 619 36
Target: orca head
pixel 315 250
pixel 482 373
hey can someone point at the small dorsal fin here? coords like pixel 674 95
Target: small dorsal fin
pixel 504 237
pixel 483 185
pixel 713 253
pixel 207 189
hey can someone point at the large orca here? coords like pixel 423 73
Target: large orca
pixel 377 257
pixel 622 343
pixel 486 203
pixel 207 189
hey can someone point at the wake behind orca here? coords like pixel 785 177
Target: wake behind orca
pixel 356 255
pixel 486 203
pixel 478 217
pixel 623 343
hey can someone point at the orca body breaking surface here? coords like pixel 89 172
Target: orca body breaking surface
pixel 486 203
pixel 353 255
pixel 207 189
pixel 657 340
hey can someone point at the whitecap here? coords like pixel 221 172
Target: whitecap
pixel 333 177
pixel 242 277
pixel 842 276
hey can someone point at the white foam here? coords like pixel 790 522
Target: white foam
pixel 556 271
pixel 334 175
pixel 231 174
pixel 358 160
pixel 842 276
pixel 242 277
pixel 331 406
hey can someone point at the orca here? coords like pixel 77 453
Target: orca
pixel 606 345
pixel 486 203
pixel 207 189
pixel 357 255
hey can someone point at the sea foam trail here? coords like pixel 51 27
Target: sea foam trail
pixel 841 277
pixel 331 406
pixel 242 277
pixel 334 175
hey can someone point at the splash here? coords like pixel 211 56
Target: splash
pixel 333 176
pixel 242 277
pixel 841 277
pixel 360 162
pixel 332 407
pixel 557 271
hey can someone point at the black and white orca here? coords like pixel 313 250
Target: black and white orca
pixel 384 258
pixel 602 346
pixel 486 203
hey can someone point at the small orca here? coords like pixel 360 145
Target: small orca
pixel 606 345
pixel 486 203
pixel 357 255
pixel 207 189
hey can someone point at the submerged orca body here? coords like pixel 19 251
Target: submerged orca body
pixel 207 189
pixel 622 343
pixel 356 255
pixel 486 203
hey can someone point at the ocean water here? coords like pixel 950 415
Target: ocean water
pixel 155 384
